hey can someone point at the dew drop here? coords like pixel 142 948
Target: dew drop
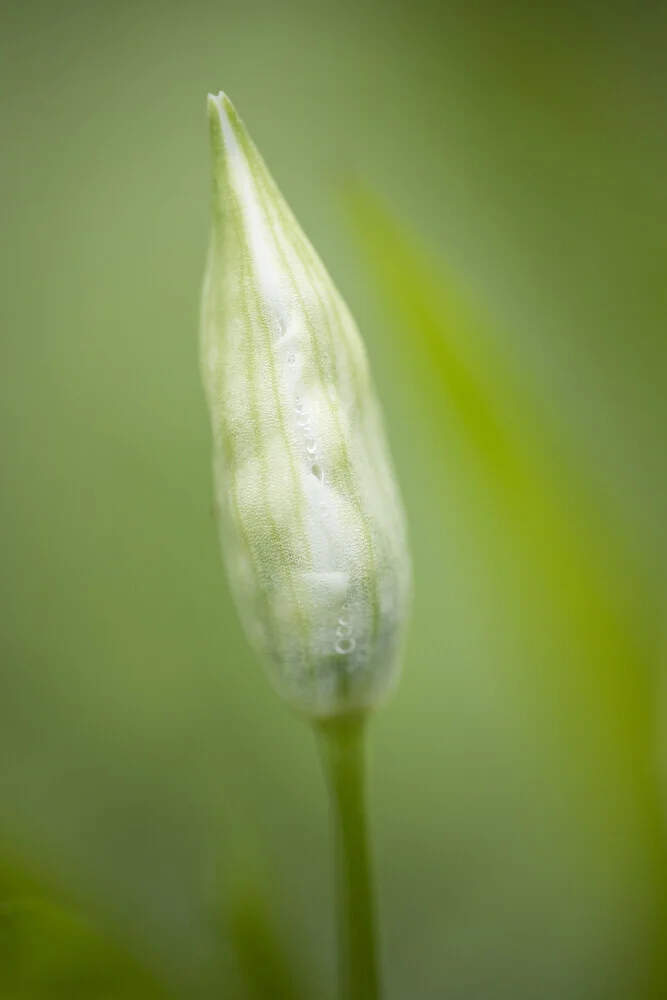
pixel 343 629
pixel 317 471
pixel 311 445
pixel 291 359
pixel 345 645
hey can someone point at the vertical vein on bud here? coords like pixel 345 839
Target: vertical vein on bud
pixel 245 240
pixel 272 206
pixel 307 264
pixel 245 265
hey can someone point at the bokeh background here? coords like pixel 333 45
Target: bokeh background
pixel 486 183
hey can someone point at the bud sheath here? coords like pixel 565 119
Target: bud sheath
pixel 312 527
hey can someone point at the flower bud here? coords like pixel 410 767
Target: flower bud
pixel 311 523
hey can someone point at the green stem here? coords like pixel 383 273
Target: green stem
pixel 342 745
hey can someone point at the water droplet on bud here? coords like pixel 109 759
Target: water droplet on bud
pixel 345 645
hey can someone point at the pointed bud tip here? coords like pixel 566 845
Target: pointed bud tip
pixel 224 122
pixel 217 103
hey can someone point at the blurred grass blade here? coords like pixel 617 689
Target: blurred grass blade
pixel 588 576
pixel 592 574
pixel 48 951
pixel 261 959
pixel 255 944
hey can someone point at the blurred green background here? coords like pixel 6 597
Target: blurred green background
pixel 486 183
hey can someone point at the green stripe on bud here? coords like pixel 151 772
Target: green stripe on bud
pixel 311 522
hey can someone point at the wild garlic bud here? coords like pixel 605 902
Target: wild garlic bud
pixel 311 522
